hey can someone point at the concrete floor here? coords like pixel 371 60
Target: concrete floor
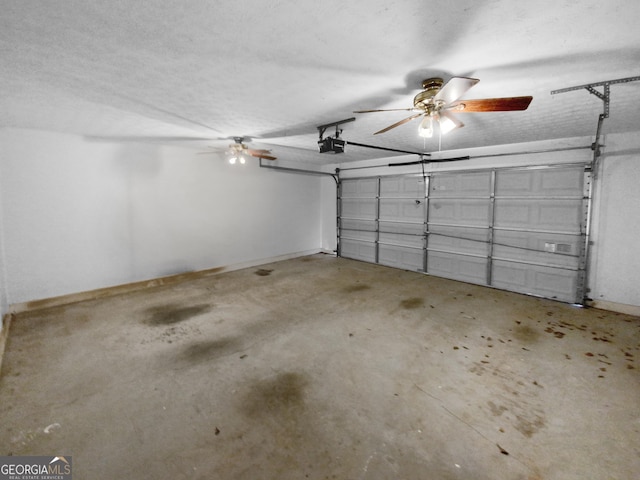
pixel 325 368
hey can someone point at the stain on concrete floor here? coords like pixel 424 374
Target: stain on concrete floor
pixel 412 303
pixel 173 313
pixel 207 350
pixel 526 334
pixel 263 272
pixel 356 288
pixel 283 394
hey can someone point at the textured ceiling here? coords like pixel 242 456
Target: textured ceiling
pixel 198 72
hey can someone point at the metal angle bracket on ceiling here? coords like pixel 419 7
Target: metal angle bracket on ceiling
pixel 323 128
pixel 604 96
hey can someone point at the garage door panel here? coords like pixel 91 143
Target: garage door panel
pixel 357 224
pixel 410 187
pixel 544 242
pixel 475 184
pixel 559 181
pixel 514 183
pixel 544 182
pixel 479 234
pixel 398 209
pixel 359 208
pixel 457 267
pixel 539 214
pixel 415 241
pixel 402 227
pixel 358 250
pixel 549 282
pixel 367 187
pixel 542 248
pixel 359 235
pixel 401 257
pixel 459 212
pixel 549 259
pixel 469 241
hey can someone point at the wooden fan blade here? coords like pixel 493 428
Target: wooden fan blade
pixel 388 110
pixel 454 89
pixel 261 155
pixel 254 152
pixel 505 104
pixel 397 124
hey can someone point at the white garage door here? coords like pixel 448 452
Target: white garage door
pixel 518 229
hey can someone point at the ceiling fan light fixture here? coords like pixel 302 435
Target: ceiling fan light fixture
pixel 239 152
pixel 425 129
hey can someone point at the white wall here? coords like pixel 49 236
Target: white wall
pixel 80 215
pixel 614 271
pixel 615 275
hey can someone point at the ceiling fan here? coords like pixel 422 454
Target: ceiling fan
pixel 239 151
pixel 437 100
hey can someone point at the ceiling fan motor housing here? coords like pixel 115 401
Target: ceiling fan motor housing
pixel 424 99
